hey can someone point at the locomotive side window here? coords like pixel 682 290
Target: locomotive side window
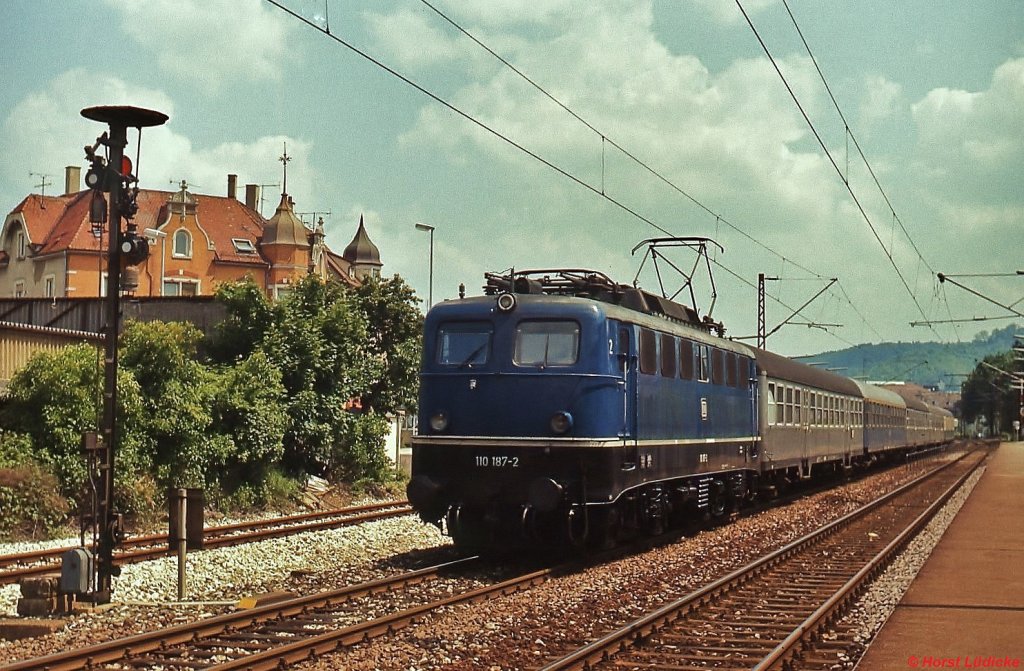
pixel 686 359
pixel 648 351
pixel 703 363
pixel 464 344
pixel 668 355
pixel 730 369
pixel 544 343
pixel 718 366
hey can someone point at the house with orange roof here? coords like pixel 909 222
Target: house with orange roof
pixel 50 248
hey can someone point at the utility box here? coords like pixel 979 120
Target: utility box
pixel 195 502
pixel 75 571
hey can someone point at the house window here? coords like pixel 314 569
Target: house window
pixel 48 283
pixel 182 244
pixel 19 289
pixel 21 244
pixel 243 246
pixel 181 288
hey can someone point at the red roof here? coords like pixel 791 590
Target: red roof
pixel 62 223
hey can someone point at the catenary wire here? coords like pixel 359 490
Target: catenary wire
pixel 824 147
pixel 520 147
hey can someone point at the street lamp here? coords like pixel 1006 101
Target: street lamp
pixel 429 229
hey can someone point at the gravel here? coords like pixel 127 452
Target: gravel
pixel 512 632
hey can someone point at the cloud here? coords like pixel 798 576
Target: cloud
pixel 210 42
pixel 970 142
pixel 881 100
pixel 45 132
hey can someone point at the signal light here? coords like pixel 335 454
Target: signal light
pixel 134 248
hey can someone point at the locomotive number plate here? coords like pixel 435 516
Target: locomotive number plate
pixel 497 461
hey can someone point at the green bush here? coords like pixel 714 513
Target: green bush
pixel 30 503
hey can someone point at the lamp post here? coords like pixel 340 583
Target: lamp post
pixel 429 229
pixel 152 234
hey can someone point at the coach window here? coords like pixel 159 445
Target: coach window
pixel 544 343
pixel 797 407
pixel 464 344
pixel 703 363
pixel 668 355
pixel 789 406
pixel 648 351
pixel 771 406
pixel 686 359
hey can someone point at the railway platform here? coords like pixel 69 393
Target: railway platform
pixel 965 608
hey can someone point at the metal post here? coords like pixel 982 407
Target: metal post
pixel 182 537
pixel 760 311
pixel 429 229
pixel 118 118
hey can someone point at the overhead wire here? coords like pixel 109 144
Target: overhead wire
pixel 832 160
pixel 581 182
pixel 605 138
pixel 850 135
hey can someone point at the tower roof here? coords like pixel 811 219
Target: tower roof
pixel 362 251
pixel 284 228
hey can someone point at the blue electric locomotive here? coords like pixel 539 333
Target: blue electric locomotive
pixel 573 409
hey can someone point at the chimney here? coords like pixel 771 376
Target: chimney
pixel 72 179
pixel 252 196
pixel 232 186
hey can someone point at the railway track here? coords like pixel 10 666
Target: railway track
pixel 774 613
pixel 13 567
pixel 276 635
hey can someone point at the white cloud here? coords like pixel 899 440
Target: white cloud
pixel 209 42
pixel 970 141
pixel 45 132
pixel 881 100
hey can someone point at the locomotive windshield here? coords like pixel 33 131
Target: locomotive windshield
pixel 546 343
pixel 464 344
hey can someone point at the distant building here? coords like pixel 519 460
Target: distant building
pixel 50 249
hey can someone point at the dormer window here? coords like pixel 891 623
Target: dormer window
pixel 243 246
pixel 182 244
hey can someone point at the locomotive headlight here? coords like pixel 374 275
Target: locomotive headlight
pixel 561 422
pixel 507 302
pixel 439 421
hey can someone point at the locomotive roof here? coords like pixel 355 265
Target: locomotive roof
pixel 778 366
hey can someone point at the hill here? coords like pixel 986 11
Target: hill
pixel 933 365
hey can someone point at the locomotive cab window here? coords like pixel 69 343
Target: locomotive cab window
pixel 464 344
pixel 546 343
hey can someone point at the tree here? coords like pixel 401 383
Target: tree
pixel 989 393
pixel 55 398
pixel 395 330
pixel 318 340
pixel 177 397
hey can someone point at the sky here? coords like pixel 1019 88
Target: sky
pixel 627 120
